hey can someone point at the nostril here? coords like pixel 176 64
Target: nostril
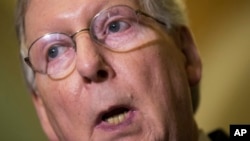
pixel 99 76
pixel 102 74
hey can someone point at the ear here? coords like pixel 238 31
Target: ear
pixel 185 42
pixel 193 61
pixel 42 115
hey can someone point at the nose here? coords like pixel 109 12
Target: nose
pixel 90 63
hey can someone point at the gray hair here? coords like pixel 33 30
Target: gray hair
pixel 170 12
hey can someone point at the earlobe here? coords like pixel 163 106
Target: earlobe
pixel 42 115
pixel 193 61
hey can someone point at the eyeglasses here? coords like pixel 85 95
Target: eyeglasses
pixel 117 28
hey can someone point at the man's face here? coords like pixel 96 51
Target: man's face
pixel 138 95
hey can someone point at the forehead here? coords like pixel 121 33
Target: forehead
pixel 48 7
pixel 45 16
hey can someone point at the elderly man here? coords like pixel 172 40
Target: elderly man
pixel 110 70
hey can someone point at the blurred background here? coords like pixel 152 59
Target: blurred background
pixel 222 32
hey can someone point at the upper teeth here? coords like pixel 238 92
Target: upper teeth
pixel 116 119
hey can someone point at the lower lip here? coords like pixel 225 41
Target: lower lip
pixel 110 127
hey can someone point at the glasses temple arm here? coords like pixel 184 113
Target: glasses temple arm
pixel 147 15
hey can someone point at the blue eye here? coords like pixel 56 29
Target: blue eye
pixel 56 51
pixel 118 26
pixel 114 27
pixel 53 52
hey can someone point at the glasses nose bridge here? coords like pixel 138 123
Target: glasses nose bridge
pixel 73 36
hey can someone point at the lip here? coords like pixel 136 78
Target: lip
pixel 105 126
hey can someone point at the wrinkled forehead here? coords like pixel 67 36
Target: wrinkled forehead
pixel 43 16
pixel 38 9
pixel 48 6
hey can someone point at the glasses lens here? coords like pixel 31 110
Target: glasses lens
pixel 116 28
pixel 53 54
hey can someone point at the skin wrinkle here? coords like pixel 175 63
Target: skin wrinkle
pixel 52 120
pixel 53 26
pixel 154 84
pixel 151 78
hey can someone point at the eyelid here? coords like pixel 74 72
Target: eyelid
pixel 104 25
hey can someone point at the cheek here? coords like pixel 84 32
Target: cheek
pixel 157 76
pixel 60 97
pixel 64 104
pixel 50 88
pixel 153 67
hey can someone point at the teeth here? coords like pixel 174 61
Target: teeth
pixel 116 119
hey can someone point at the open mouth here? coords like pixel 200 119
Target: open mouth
pixel 116 116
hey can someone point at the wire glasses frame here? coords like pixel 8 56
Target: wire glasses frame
pixel 54 53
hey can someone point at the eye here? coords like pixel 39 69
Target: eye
pixel 55 51
pixel 117 26
pixel 114 27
